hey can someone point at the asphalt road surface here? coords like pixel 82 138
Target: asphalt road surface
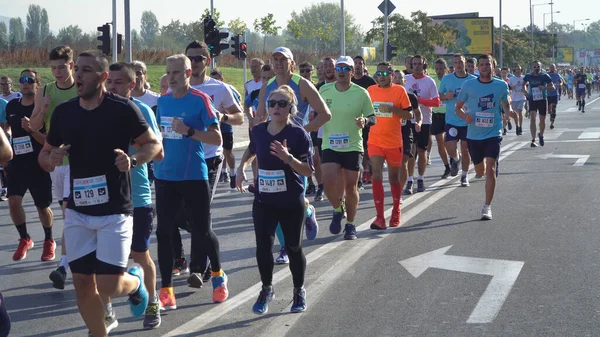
pixel 531 271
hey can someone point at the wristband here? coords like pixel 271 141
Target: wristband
pixel 289 160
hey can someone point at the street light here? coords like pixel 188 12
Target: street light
pixel 545 17
pixel 531 21
pixel 574 21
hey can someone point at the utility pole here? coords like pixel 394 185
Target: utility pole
pixel 128 55
pixel 343 30
pixel 501 56
pixel 385 32
pixel 114 33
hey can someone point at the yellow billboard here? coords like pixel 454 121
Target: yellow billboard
pixel 472 36
pixel 565 54
pixel 368 53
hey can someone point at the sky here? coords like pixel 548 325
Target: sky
pixel 89 14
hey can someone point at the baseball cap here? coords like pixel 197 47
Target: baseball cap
pixel 284 51
pixel 347 60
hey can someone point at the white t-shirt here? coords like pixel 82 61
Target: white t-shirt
pixel 425 88
pixel 222 98
pixel 11 96
pixel 252 85
pixel 150 98
pixel 516 85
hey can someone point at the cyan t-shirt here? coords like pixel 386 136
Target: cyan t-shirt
pixel 484 103
pixel 557 80
pixel 453 83
pixel 140 184
pixel 3 104
pixel 534 81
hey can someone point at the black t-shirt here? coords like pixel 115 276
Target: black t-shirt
pixel 25 148
pixel 406 72
pixel 98 188
pixel 365 81
pixel 254 94
pixel 580 79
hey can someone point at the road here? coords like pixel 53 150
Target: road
pixel 531 271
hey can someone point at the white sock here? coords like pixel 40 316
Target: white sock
pixel 64 263
pixel 231 172
pixel 420 178
pixel 410 179
pixel 108 309
pixel 428 154
pixel 464 173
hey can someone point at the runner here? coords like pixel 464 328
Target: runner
pixel 320 74
pixel 580 83
pixel 351 110
pixel 504 74
pixel 569 79
pixel 590 79
pixel 121 81
pixel 456 128
pixel 408 67
pixel 518 98
pixel 6 92
pixel 164 85
pixel 283 150
pixel 439 120
pixel 47 99
pixel 485 99
pixel 3 190
pixel 188 120
pixel 538 83
pixel 365 81
pixel 140 92
pixel 553 95
pixel 425 89
pixel 470 66
pixel 392 107
pixel 98 221
pixel 24 172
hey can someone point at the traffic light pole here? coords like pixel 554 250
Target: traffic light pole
pixel 385 32
pixel 213 63
pixel 244 64
pixel 128 55
pixel 114 32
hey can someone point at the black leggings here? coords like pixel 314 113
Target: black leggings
pixel 292 224
pixel 195 194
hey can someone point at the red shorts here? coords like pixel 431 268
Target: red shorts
pixel 392 156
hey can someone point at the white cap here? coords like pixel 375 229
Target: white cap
pixel 284 51
pixel 347 60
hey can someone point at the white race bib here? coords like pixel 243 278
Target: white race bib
pixel 537 94
pixel 339 140
pixel 22 145
pixel 379 113
pixel 90 191
pixel 271 181
pixel 166 130
pixel 581 86
pixel 484 119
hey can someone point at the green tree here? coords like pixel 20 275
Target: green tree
pixel 136 40
pixel 3 36
pixel 149 28
pixel 237 26
pixel 16 33
pixel 70 35
pixel 44 25
pixel 194 30
pixel 216 17
pixel 267 27
pixel 34 25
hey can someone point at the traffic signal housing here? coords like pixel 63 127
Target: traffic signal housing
pixel 119 43
pixel 390 51
pixel 243 54
pixel 239 48
pixel 104 39
pixel 212 37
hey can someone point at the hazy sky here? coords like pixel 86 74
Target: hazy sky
pixel 89 14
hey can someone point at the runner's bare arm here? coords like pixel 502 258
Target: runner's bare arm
pixel 6 153
pixel 247 157
pixel 212 135
pixel 261 112
pixel 310 94
pixel 37 116
pixel 52 156
pixel 234 115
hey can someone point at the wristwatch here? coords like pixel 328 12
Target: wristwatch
pixel 134 162
pixel 191 132
pixel 225 118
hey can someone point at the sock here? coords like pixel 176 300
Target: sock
pixel 464 173
pixel 217 273
pixel 22 228
pixel 338 209
pixel 420 178
pixel 309 211
pixel 396 195
pixel 280 237
pixel 447 166
pixel 411 179
pixel 64 263
pixel 231 172
pixel 582 104
pixel 320 186
pixel 350 223
pixel 108 309
pixel 378 197
pixel 47 233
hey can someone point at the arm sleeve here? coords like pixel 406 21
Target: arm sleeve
pixel 432 103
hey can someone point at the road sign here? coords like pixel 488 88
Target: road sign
pixel 581 159
pixel 504 274
pixel 391 7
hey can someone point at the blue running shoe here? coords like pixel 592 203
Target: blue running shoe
pixel 336 223
pixel 349 232
pixel 312 226
pixel 299 302
pixel 220 291
pixel 138 301
pixel 265 296
pixel 541 139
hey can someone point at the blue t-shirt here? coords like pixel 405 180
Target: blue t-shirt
pixel 483 102
pixel 277 183
pixel 534 81
pixel 453 83
pixel 569 78
pixel 140 184
pixel 184 157
pixel 557 80
pixel 3 104
pixel 301 117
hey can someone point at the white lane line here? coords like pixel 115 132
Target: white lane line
pixel 218 311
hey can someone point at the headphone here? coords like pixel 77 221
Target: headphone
pixel 293 109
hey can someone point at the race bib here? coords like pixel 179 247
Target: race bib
pixel 339 140
pixel 537 94
pixel 581 86
pixel 379 113
pixel 404 122
pixel 22 145
pixel 167 130
pixel 90 191
pixel 271 181
pixel 484 119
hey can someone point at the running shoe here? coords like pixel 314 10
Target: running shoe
pixel 283 257
pixel 360 186
pixel 335 227
pixel 207 274
pixel 464 181
pixel 541 139
pixel 350 232
pixel 509 125
pixel 48 252
pixel 180 267
pixel 420 185
pixel 152 318
pixel 311 189
pixel 58 278
pixel 195 280
pixel 22 248
pixel 533 144
pixel 453 167
pixel 138 301
pixel 220 291
pixel 551 126
pixel 110 321
pixel 232 182
pixel 167 299
pixel 251 188
pixel 408 190
pixel 446 173
pixel 299 301
pixel 486 212
pixel 311 224
pixel 265 296
pixel 319 195
pixel 379 223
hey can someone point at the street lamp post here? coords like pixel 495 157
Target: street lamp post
pixel 551 18
pixel 574 21
pixel 531 14
pixel 500 54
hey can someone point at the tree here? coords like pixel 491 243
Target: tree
pixel 237 26
pixel 194 30
pixel 3 36
pixel 216 17
pixel 149 28
pixel 44 26
pixel 34 25
pixel 16 33
pixel 70 35
pixel 266 26
pixel 136 40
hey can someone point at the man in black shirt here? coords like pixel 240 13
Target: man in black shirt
pixel 96 130
pixel 24 172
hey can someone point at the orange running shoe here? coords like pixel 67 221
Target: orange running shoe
pixel 379 223
pixel 167 299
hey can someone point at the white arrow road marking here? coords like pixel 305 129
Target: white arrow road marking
pixel 581 158
pixel 589 135
pixel 504 274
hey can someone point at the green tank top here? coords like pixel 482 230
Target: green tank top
pixel 57 96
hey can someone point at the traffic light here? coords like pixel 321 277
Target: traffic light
pixel 390 51
pixel 243 54
pixel 236 46
pixel 119 43
pixel 212 37
pixel 104 39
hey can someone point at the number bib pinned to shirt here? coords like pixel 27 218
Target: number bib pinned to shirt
pixel 484 119
pixel 537 94
pixel 166 129
pixel 22 145
pixel 271 181
pixel 379 113
pixel 339 140
pixel 581 86
pixel 90 191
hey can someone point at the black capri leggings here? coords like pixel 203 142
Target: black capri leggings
pixel 292 220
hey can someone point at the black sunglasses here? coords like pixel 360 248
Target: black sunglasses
pixel 27 79
pixel 214 73
pixel 383 73
pixel 306 70
pixel 282 103
pixel 197 58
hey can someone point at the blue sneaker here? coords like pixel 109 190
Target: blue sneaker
pixel 138 301
pixel 541 139
pixel 283 257
pixel 349 232
pixel 299 301
pixel 265 296
pixel 312 226
pixel 336 223
pixel 220 291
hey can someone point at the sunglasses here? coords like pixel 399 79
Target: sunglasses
pixel 302 71
pixel 197 58
pixel 345 69
pixel 214 73
pixel 383 73
pixel 281 103
pixel 27 79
